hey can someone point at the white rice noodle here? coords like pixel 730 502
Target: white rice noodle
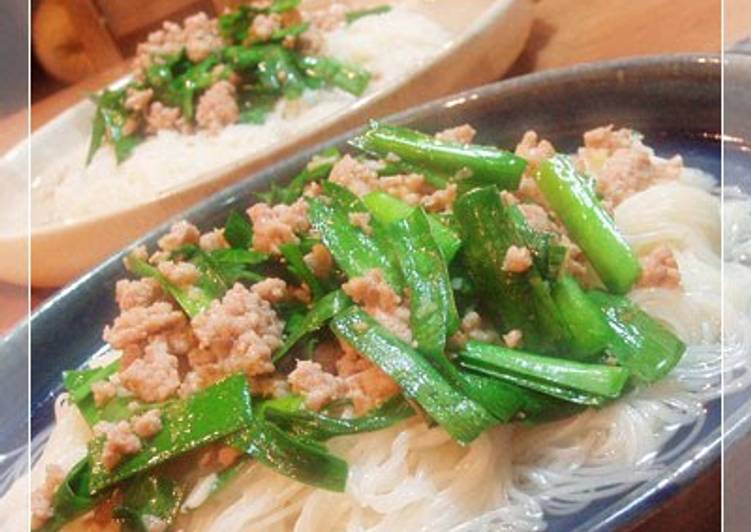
pixel 412 477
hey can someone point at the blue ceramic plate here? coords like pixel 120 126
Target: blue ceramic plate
pixel 673 100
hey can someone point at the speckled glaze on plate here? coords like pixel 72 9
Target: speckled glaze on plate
pixel 673 100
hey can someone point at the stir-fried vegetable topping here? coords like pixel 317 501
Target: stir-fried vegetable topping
pixel 361 293
pixel 211 74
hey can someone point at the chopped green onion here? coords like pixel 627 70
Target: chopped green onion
pixel 519 300
pixel 324 160
pixel 193 302
pixel 484 164
pixel 72 497
pixel 433 314
pixel 150 496
pixel 237 231
pixel 326 308
pixel 297 266
pixel 205 416
pixel 295 458
pixel 462 417
pixel 304 423
pixel 387 209
pixel 590 333
pixel 355 252
pixel 589 224
pixel 321 71
pixel 596 379
pixel 641 344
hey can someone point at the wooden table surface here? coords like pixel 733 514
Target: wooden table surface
pixel 565 32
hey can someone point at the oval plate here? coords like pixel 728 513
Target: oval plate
pixel 673 100
pixel 486 38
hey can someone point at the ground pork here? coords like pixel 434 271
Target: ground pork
pixel 327 354
pixel 396 321
pixel 361 220
pixel 368 385
pixel 147 424
pixel 161 117
pixel 274 385
pixel 192 381
pixel 218 457
pixel 517 260
pixel 472 327
pixel 213 240
pixel 137 324
pixel 380 301
pixel 463 134
pixel 180 234
pixel 513 338
pixel 264 26
pixel 182 274
pixel 202 37
pixel 271 289
pixel 318 386
pixel 169 40
pixel 138 99
pixel 180 339
pixel 538 218
pixel 609 139
pixel 273 226
pixel 534 150
pixel 42 497
pixel 120 441
pixel 628 171
pixel 320 261
pixel 411 188
pixel 154 377
pixel 330 18
pixel 621 164
pixel 358 379
pixel 141 293
pixel 198 36
pixel 660 269
pixel 217 107
pixel 237 334
pixel 442 200
pixel 354 175
pixel 104 391
pixel 153 523
pixel 509 198
pixel 350 361
pixel 312 190
pixel 139 252
pixel 372 290
pixel 369 389
pixel 301 293
pixel 311 41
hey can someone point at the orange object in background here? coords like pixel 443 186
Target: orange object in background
pixel 74 39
